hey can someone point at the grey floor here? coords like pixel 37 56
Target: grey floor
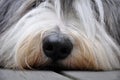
pixel 64 75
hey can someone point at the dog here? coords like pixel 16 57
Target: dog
pixel 70 34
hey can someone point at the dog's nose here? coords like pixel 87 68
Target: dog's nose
pixel 57 47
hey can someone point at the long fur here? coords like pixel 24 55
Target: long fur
pixel 91 25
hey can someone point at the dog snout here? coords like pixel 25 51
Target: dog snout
pixel 57 47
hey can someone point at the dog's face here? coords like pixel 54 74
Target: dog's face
pixel 69 34
pixel 49 36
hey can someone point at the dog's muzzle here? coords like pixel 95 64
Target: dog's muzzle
pixel 57 46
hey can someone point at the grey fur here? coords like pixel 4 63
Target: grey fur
pixel 7 10
pixel 9 15
pixel 91 12
pixel 95 10
pixel 112 18
pixel 66 5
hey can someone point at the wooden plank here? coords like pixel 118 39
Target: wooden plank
pixel 103 75
pixel 50 75
pixel 30 75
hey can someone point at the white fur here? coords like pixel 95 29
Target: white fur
pixel 46 17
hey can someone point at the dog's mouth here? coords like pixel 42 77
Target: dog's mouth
pixel 56 66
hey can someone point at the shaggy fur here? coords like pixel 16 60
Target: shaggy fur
pixel 91 25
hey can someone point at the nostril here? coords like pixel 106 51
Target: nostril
pixel 63 50
pixel 49 48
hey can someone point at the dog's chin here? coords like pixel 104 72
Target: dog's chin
pixel 54 66
pixel 58 66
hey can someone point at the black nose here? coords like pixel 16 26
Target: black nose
pixel 57 47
